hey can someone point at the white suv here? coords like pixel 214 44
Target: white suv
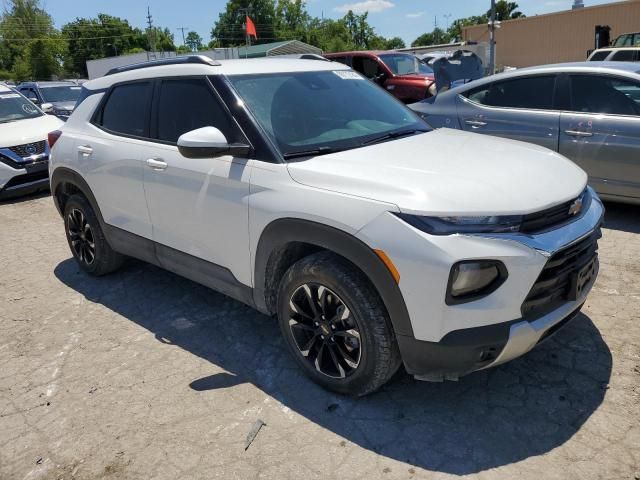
pixel 302 189
pixel 24 151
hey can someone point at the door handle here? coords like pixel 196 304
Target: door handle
pixel 85 150
pixel 475 123
pixel 156 163
pixel 578 133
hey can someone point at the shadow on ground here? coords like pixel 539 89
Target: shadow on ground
pixel 488 419
pixel 623 217
pixel 25 198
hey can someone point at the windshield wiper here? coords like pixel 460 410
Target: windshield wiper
pixel 309 153
pixel 392 135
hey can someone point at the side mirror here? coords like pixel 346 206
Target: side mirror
pixel 209 142
pixel 47 108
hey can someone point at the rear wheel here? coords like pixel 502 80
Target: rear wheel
pixel 336 325
pixel 86 239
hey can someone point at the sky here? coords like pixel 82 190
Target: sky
pixel 406 19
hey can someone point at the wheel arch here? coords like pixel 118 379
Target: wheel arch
pixel 286 240
pixel 66 182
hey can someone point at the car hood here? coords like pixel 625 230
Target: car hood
pixel 64 105
pixel 448 172
pixel 28 131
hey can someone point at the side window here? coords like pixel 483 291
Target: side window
pixel 600 56
pixel 625 56
pixel 340 60
pixel 188 104
pixel 29 93
pixel 367 66
pixel 602 94
pixel 126 111
pixel 530 92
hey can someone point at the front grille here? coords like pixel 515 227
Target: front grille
pixel 19 180
pixel 13 164
pixel 555 216
pixel 554 284
pixel 35 148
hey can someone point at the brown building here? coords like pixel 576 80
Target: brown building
pixel 556 37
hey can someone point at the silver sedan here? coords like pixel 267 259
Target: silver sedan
pixel 588 112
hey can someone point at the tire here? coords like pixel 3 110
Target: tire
pixel 86 239
pixel 349 349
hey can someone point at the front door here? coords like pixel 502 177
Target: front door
pixel 520 109
pixel 601 132
pixel 198 207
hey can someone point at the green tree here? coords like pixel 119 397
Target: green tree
pixel 292 19
pixel 228 31
pixel 506 11
pixel 92 38
pixel 395 42
pixel 193 41
pixel 31 48
pixel 435 37
pixel 455 30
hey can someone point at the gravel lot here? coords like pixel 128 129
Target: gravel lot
pixel 143 374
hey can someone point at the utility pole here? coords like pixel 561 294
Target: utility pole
pixel 182 29
pixel 151 34
pixel 436 37
pixel 246 12
pixel 447 17
pixel 492 39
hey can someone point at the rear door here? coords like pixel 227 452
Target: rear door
pixel 520 109
pixel 601 132
pixel 198 206
pixel 109 152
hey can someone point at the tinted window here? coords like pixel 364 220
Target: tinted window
pixel 593 94
pixel 368 67
pixel 600 56
pixel 61 94
pixel 340 59
pixel 127 110
pixel 625 56
pixel 186 105
pixel 29 93
pixel 530 92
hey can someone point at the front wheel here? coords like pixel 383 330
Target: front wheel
pixel 86 239
pixel 336 325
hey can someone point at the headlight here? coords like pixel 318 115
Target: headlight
pixel 449 225
pixel 473 279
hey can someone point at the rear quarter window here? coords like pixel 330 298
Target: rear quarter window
pixel 126 110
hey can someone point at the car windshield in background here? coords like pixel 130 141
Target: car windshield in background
pixel 323 112
pixel 65 93
pixel 403 64
pixel 14 106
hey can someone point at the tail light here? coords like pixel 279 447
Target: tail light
pixel 53 137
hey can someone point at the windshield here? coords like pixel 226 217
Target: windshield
pixel 325 110
pixel 403 64
pixel 65 93
pixel 14 106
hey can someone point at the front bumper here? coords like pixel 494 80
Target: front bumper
pixel 448 341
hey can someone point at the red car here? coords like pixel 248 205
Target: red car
pixel 401 74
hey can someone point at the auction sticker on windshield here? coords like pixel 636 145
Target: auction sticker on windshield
pixel 348 75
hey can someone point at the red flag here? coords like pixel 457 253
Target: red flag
pixel 251 28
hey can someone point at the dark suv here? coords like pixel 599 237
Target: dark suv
pixel 401 74
pixel 61 95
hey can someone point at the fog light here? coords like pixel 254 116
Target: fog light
pixel 470 280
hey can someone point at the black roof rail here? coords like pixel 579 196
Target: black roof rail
pixel 201 59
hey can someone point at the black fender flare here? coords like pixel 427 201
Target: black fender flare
pixel 286 230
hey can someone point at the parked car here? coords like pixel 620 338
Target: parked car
pixel 631 54
pixel 627 40
pixel 305 191
pixel 401 74
pixel 587 112
pixel 24 152
pixel 61 95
